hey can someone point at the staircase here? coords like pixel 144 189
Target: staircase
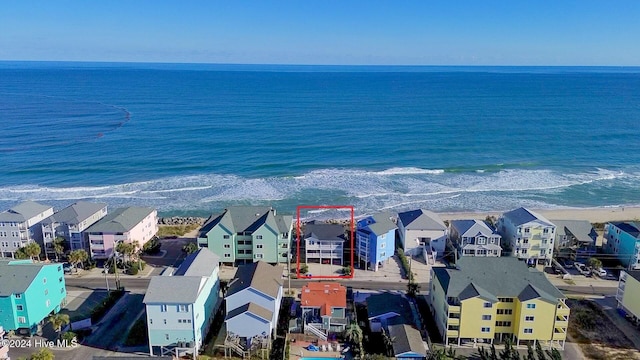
pixel 315 331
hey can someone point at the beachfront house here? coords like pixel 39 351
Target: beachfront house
pixel 623 240
pixel 130 224
pixel 422 233
pixel 575 239
pixel 376 240
pixel 70 224
pixel 324 243
pixel 244 234
pixel 407 342
pixel 181 303
pixel 487 300
pixel 20 226
pixel 528 236
pixel 474 238
pixel 29 293
pixel 324 308
pixel 252 306
pixel 628 294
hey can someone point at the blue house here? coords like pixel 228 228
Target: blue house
pixel 181 304
pixel 29 293
pixel 376 239
pixel 623 240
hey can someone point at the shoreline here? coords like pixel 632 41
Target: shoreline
pixel 592 214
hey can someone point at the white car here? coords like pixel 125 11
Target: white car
pixel 600 272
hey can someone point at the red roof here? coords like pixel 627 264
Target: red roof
pixel 324 295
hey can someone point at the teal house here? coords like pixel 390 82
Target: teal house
pixel 245 234
pixel 29 293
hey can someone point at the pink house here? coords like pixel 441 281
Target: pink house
pixel 125 224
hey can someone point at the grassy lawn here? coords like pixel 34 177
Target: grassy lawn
pixel 596 335
pixel 175 230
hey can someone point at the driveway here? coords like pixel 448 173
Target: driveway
pixel 110 332
pixel 609 306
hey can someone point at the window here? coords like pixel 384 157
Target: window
pixel 163 308
pixel 526 230
pixel 22 320
pixel 165 321
pixel 225 236
pixel 481 240
pixel 179 321
pixel 486 317
pixel 18 296
pixel 48 303
pixel 259 246
pixel 505 312
pixel 44 281
pixel 183 308
pixel 19 307
pixel 531 306
pixel 189 321
pixel 46 292
pixel 487 304
pixel 258 256
pixel 486 329
pixel 166 336
pixel 151 321
pixel 528 331
pixel 258 237
pixel 528 318
pixel 227 255
pixel 503 323
pixel 505 300
pixel 227 246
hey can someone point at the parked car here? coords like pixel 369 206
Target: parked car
pixel 600 272
pixel 582 269
pixel 67 268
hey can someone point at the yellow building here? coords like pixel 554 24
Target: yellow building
pixel 628 294
pixel 528 234
pixel 485 300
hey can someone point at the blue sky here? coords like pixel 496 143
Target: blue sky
pixel 449 32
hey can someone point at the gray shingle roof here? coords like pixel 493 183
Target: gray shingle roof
pixel 120 220
pixel 259 275
pixel 497 277
pixel 173 289
pixel 406 339
pixel 378 224
pixel 634 274
pixel 380 304
pixel 23 211
pixel 251 308
pixel 200 263
pixel 324 231
pixel 239 219
pixel 462 226
pixel 421 219
pixel 16 276
pixel 523 215
pixel 75 213
pixel 580 229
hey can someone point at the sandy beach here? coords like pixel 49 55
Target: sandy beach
pixel 593 215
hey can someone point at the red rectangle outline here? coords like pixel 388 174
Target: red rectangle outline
pixel 298 240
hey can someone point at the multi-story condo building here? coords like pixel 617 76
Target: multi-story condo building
pixel 244 234
pixel 19 226
pixel 252 306
pixel 483 300
pixel 575 239
pixel 623 240
pixel 422 233
pixel 324 243
pixel 130 224
pixel 528 235
pixel 69 224
pixel 324 308
pixel 628 294
pixel 474 238
pixel 376 240
pixel 29 293
pixel 181 304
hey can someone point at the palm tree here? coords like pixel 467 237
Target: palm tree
pixel 58 321
pixel 77 257
pixel 388 342
pixel 353 334
pixel 33 250
pixel 59 247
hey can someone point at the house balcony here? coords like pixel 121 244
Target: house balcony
pixel 453 309
pixel 523 245
pixel 453 333
pixel 562 321
pixel 619 295
pixel 559 333
pixel 325 247
pixel 562 309
pixel 453 321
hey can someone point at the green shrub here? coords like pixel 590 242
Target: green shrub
pixel 102 308
pixel 152 247
pixel 69 336
pixel 304 268
pixel 405 264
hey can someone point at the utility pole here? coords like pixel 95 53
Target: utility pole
pixel 106 272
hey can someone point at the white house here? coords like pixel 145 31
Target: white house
pixel 529 235
pixel 324 243
pixel 252 304
pixel 181 304
pixel 422 233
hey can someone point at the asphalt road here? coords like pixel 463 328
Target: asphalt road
pixel 134 284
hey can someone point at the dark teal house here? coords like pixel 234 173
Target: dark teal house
pixel 29 293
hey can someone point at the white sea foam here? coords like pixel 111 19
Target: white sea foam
pixel 396 188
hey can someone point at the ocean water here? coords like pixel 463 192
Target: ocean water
pixel 192 139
